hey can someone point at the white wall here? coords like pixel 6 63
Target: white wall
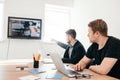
pixel 83 12
pixel 88 10
pixel 29 9
pixel 3 50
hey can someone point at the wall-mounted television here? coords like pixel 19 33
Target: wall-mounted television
pixel 24 28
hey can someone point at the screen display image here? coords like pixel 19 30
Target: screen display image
pixel 24 28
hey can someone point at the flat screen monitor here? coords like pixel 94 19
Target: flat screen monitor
pixel 25 28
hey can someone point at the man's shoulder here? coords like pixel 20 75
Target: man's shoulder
pixel 114 40
pixel 93 46
pixel 78 43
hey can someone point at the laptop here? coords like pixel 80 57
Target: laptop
pixel 61 67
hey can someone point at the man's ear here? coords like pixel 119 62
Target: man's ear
pixel 97 33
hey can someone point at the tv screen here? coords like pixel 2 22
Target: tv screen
pixel 24 28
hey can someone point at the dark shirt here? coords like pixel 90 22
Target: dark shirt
pixel 110 50
pixel 77 54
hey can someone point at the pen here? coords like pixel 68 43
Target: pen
pixel 36 57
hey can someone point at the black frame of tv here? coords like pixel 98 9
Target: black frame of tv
pixel 24 37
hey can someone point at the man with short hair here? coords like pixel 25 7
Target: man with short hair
pixel 104 49
pixel 74 50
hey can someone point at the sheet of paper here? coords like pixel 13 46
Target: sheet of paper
pixel 29 77
pixel 54 76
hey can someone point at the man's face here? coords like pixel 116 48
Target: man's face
pixel 68 38
pixel 92 36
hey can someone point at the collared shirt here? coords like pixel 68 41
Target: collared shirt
pixel 71 49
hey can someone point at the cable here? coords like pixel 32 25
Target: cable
pixel 8 48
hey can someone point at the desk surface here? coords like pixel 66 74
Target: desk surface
pixel 8 72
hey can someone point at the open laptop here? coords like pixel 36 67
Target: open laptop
pixel 61 67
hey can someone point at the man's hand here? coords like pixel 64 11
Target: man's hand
pixel 82 64
pixel 53 40
pixel 78 67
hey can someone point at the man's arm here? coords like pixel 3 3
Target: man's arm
pixel 105 66
pixel 82 63
pixel 63 45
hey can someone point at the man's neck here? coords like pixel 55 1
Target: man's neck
pixel 73 42
pixel 102 41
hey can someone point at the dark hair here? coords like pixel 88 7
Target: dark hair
pixel 71 32
pixel 99 25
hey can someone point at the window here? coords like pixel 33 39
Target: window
pixel 57 21
pixel 1 19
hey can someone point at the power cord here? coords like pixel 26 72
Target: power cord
pixel 8 48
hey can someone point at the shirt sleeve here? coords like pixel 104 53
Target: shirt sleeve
pixel 90 51
pixel 113 50
pixel 63 45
